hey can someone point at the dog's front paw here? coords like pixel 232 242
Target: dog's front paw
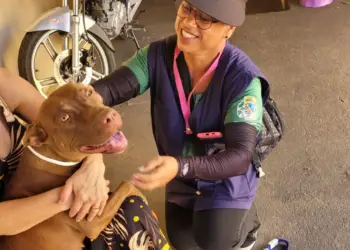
pixel 134 191
pixel 129 189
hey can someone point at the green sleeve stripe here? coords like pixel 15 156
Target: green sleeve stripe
pixel 139 66
pixel 248 107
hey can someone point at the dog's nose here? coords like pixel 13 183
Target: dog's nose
pixel 110 117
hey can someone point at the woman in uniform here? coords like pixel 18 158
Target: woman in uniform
pixel 204 92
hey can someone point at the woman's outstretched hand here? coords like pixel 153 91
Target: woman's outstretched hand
pixel 156 173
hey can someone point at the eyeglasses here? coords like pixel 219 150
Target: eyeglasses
pixel 203 20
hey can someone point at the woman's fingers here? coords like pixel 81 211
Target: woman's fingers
pixel 151 176
pixel 66 192
pixel 150 180
pixel 152 164
pixel 94 210
pixel 157 173
pixel 103 204
pixel 75 208
pixel 148 185
pixel 84 211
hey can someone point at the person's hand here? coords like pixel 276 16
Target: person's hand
pixel 67 204
pixel 156 173
pixel 89 187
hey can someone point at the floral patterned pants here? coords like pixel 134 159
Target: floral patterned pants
pixel 134 227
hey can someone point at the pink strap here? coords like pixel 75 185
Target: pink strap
pixel 185 104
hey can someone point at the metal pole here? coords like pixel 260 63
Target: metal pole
pixel 65 39
pixel 75 41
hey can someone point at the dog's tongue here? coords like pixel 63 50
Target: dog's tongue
pixel 116 144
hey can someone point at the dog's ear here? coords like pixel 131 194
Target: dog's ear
pixel 34 136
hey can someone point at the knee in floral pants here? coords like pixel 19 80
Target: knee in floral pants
pixel 134 227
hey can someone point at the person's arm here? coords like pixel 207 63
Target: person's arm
pixel 243 122
pixel 19 215
pixel 127 82
pixel 19 95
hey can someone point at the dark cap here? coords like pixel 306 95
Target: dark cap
pixel 231 12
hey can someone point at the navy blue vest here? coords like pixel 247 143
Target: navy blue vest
pixel 234 73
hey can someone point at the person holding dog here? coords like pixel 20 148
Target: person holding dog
pixel 85 193
pixel 204 92
pixel 86 190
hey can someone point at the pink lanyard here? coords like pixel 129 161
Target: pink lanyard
pixel 185 104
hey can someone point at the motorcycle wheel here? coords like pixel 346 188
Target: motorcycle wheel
pixel 46 82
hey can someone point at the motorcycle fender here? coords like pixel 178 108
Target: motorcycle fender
pixel 98 31
pixel 60 19
pixel 54 19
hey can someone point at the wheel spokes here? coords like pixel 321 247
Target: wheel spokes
pixel 47 85
pixel 50 48
pixel 97 75
pixel 47 82
pixel 94 68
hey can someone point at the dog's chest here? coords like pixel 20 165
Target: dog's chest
pixel 28 181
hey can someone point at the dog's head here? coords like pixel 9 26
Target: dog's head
pixel 73 122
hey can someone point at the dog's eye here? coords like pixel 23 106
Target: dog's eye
pixel 89 93
pixel 65 118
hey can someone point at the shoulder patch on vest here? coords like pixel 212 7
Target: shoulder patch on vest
pixel 247 108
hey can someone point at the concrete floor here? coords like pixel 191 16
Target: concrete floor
pixel 305 54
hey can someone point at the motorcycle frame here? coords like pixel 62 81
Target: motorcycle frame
pixel 132 12
pixel 63 19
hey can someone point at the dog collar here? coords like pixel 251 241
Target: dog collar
pixel 60 163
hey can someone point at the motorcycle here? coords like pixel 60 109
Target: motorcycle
pixel 74 40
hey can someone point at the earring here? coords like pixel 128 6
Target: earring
pixel 226 37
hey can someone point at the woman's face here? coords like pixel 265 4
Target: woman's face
pixel 197 31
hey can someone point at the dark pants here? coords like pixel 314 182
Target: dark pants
pixel 216 229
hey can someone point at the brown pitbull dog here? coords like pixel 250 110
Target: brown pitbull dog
pixel 72 123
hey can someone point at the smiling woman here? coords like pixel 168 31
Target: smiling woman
pixel 207 38
pixel 204 92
